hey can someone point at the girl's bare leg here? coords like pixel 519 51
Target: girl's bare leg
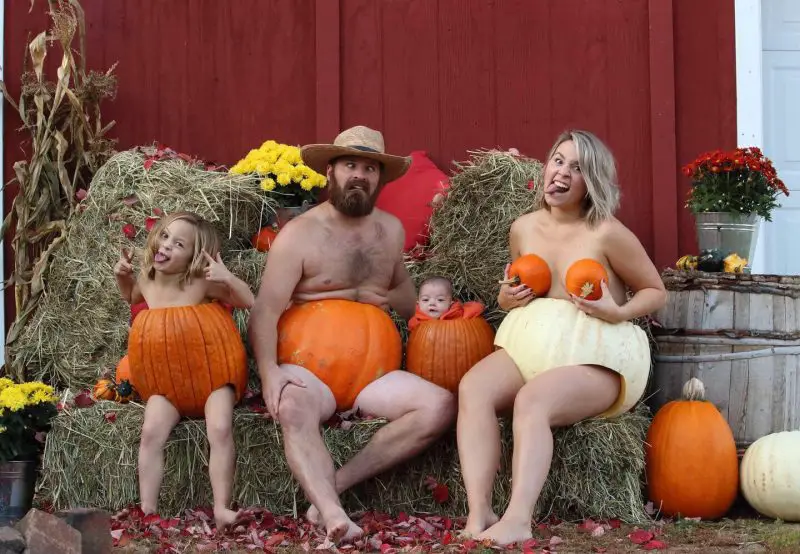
pixel 160 417
pixel 222 453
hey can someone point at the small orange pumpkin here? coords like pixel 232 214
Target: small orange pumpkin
pixel 105 389
pixel 443 350
pixel 346 344
pixel 532 271
pixel 691 460
pixel 262 241
pixel 185 353
pixel 584 277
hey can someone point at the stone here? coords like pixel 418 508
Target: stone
pixel 94 526
pixel 11 541
pixel 46 534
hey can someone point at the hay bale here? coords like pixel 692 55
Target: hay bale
pixel 469 233
pixel 597 468
pixel 80 328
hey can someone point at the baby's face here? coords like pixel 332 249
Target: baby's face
pixel 434 300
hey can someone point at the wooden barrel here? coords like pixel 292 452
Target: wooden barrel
pixel 740 335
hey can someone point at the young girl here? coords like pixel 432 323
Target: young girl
pixel 182 268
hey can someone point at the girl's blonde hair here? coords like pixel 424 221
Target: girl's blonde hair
pixel 599 172
pixel 205 238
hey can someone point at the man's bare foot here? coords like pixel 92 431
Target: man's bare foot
pixel 224 517
pixel 506 532
pixel 313 515
pixel 341 529
pixel 478 523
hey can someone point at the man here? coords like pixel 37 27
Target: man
pixel 346 249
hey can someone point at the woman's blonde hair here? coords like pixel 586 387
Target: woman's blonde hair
pixel 599 172
pixel 205 238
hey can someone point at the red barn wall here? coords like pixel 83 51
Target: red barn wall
pixel 653 78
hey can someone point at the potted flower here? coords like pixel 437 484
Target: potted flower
pixel 26 413
pixel 279 170
pixel 731 191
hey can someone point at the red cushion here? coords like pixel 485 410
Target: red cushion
pixel 409 197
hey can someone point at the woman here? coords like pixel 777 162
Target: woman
pixel 561 359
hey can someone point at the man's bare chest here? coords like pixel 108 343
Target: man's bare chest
pixel 352 260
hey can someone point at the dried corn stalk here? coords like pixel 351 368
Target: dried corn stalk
pixel 67 146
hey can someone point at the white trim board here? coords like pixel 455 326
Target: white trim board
pixel 750 92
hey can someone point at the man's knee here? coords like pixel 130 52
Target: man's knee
pixel 297 408
pixel 441 410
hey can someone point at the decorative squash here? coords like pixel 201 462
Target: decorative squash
pixel 692 466
pixel 769 475
pixel 185 353
pixel 262 241
pixel 584 277
pixel 346 344
pixel 711 260
pixel 104 389
pixel 686 263
pixel 733 263
pixel 443 350
pixel 532 271
pixel 124 389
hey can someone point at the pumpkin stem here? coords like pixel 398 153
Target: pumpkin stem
pixel 511 281
pixel 586 289
pixel 694 390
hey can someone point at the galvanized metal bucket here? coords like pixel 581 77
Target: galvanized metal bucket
pixel 729 232
pixel 17 485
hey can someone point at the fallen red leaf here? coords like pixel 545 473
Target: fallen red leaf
pixel 598 531
pixel 441 493
pixel 148 163
pixel 654 545
pixel 84 399
pixel 587 526
pixel 80 194
pixel 555 540
pixel 149 222
pixel 110 417
pixel 599 549
pixel 614 523
pixel 158 212
pixel 640 536
pixel 131 200
pixel 129 231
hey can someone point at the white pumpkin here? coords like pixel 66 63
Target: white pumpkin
pixel 770 475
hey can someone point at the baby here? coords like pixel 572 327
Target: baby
pixel 435 301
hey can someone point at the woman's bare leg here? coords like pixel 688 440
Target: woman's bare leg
pixel 556 398
pixel 488 388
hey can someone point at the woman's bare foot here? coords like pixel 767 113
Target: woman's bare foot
pixel 478 522
pixel 341 528
pixel 313 515
pixel 224 517
pixel 505 532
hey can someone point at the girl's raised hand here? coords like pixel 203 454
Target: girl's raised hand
pixel 216 272
pixel 124 266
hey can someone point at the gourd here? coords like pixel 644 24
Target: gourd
pixel 583 278
pixel 346 344
pixel 710 260
pixel 104 389
pixel 770 475
pixel 686 263
pixel 443 350
pixel 262 241
pixel 733 263
pixel 691 462
pixel 532 271
pixel 185 353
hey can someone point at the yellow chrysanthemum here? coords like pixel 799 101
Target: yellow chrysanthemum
pixel 13 398
pixel 41 396
pixel 284 179
pixel 5 382
pixel 268 184
pixel 306 184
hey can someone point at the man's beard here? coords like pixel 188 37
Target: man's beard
pixel 350 202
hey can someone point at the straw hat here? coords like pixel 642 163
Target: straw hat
pixel 356 141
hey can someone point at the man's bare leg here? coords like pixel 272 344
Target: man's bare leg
pixel 300 412
pixel 418 411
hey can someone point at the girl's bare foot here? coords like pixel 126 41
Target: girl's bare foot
pixel 505 532
pixel 224 517
pixel 478 522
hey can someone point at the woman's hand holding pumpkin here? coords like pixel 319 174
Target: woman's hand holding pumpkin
pixel 276 380
pixel 604 308
pixel 514 296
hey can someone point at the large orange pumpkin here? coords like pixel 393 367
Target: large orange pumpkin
pixel 346 344
pixel 532 271
pixel 692 467
pixel 443 350
pixel 584 277
pixel 185 353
